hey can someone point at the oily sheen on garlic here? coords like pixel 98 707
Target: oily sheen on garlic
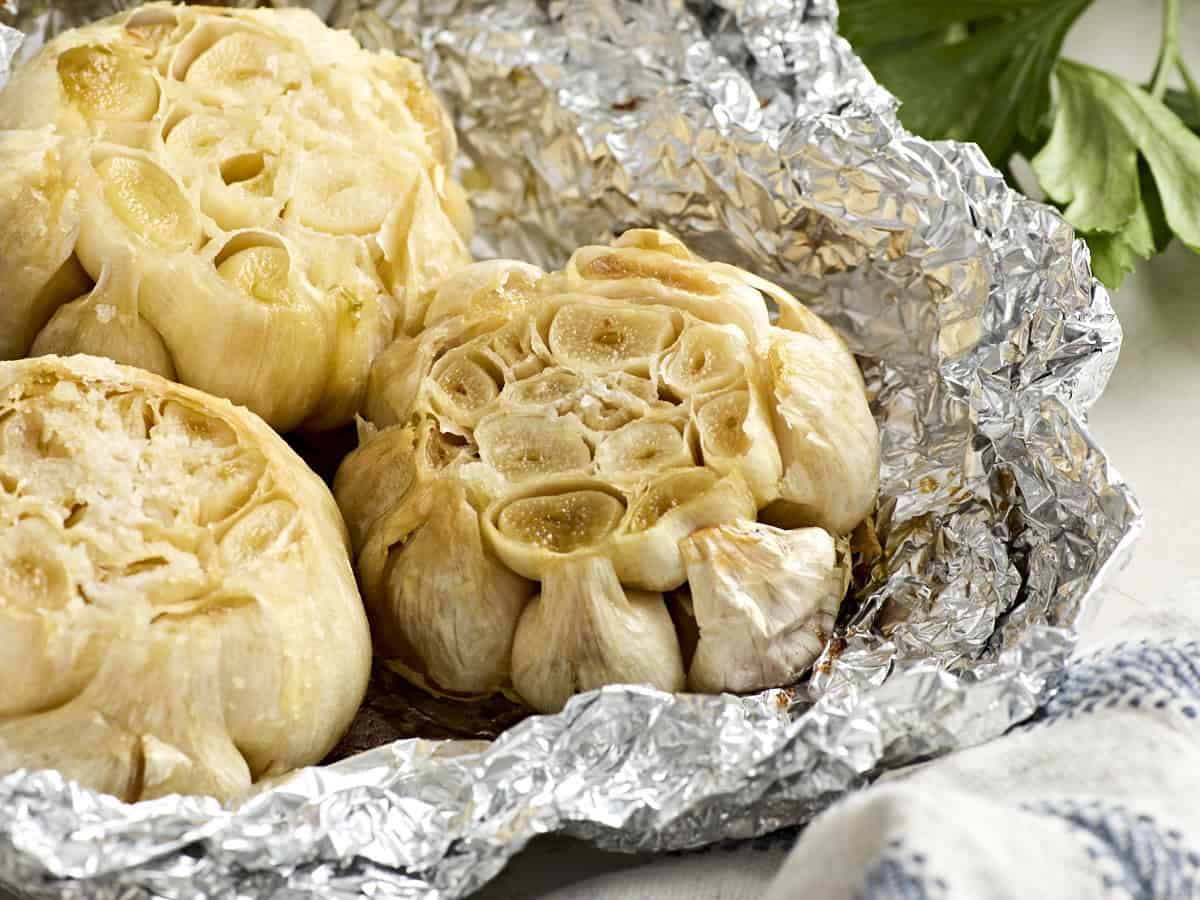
pixel 178 613
pixel 241 200
pixel 555 454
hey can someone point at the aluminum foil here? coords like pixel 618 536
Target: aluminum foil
pixel 749 128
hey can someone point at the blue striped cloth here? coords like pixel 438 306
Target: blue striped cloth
pixel 1097 796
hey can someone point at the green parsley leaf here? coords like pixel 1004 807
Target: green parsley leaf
pixel 1185 106
pixel 1090 162
pixel 970 70
pixel 1102 124
pixel 1115 253
pixel 874 22
pixel 1159 228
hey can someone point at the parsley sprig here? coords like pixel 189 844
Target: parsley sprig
pixel 1121 160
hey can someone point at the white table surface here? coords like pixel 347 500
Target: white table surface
pixel 1148 421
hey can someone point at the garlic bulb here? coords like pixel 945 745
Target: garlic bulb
pixel 609 432
pixel 241 200
pixel 178 613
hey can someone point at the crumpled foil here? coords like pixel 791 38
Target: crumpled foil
pixel 749 128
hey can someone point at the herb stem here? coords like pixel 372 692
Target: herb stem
pixel 1168 56
pixel 1192 87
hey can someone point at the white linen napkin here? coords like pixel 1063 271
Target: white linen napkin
pixel 1098 796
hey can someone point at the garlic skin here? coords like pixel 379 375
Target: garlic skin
pixel 596 634
pixel 201 192
pixel 178 613
pixel 764 601
pixel 594 421
pixel 828 440
pixel 456 606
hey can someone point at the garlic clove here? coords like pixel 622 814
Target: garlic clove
pixel 646 551
pixel 446 603
pixel 584 631
pixel 828 440
pixel 764 601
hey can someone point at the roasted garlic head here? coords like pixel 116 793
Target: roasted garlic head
pixel 556 451
pixel 178 613
pixel 244 201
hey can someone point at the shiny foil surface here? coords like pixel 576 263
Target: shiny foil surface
pixel 749 128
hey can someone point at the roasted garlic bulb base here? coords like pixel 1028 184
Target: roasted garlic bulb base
pixel 609 432
pixel 241 200
pixel 177 609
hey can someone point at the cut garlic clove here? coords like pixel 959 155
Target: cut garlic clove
pixel 736 433
pixel 463 386
pixel 530 532
pixel 646 552
pixel 653 276
pixel 523 447
pixel 244 63
pixel 583 631
pixel 261 273
pixel 640 447
pixel 345 195
pixel 551 387
pixel 765 602
pixel 494 289
pixel 706 358
pixel 107 83
pixel 590 338
pixel 149 202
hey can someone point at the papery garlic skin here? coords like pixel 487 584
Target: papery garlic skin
pixel 242 200
pixel 178 613
pixel 597 420
pixel 764 600
pixel 584 631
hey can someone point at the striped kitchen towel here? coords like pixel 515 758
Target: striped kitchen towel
pixel 1097 796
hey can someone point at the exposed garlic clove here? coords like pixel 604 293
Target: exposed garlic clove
pixel 531 532
pixel 103 324
pixel 584 631
pixel 644 274
pixel 496 289
pixel 108 83
pixel 646 551
pixel 764 600
pixel 736 434
pixel 398 373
